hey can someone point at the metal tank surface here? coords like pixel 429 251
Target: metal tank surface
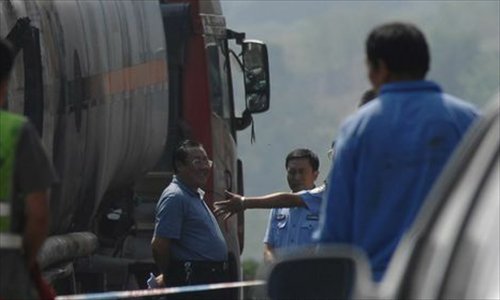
pixel 112 87
pixel 92 76
pixel 105 96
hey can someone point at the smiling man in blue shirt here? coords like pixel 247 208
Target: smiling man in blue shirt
pixel 188 245
pixel 389 153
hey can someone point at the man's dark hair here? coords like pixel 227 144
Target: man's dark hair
pixel 181 152
pixel 6 59
pixel 303 153
pixel 401 46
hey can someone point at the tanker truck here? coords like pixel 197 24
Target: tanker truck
pixel 112 87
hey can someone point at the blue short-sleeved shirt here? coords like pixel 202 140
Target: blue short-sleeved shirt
pixel 293 226
pixel 387 157
pixel 183 217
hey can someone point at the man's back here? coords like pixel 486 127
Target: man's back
pixel 396 146
pixel 390 152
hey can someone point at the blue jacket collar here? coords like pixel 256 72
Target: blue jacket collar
pixel 406 86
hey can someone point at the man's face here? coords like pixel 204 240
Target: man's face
pixel 300 174
pixel 196 169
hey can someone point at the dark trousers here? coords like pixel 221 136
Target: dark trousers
pixel 182 273
pixel 15 279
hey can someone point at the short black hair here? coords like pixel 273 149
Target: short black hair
pixel 6 59
pixel 401 46
pixel 181 152
pixel 303 153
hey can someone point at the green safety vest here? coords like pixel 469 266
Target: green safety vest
pixel 10 132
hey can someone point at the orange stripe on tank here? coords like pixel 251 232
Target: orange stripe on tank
pixel 134 77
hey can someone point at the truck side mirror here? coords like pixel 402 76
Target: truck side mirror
pixel 328 273
pixel 256 72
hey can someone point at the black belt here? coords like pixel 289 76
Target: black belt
pixel 187 272
pixel 214 266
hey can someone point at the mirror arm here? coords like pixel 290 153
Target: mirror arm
pixel 233 35
pixel 237 59
pixel 244 121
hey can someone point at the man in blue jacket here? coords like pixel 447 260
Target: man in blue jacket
pixel 389 153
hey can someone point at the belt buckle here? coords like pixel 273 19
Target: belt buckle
pixel 188 270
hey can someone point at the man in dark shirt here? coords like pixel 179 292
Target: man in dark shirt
pixel 25 177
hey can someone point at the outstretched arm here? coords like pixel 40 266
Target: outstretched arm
pixel 236 203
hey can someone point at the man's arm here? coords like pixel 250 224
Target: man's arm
pixel 236 203
pixel 37 224
pixel 268 253
pixel 33 175
pixel 161 254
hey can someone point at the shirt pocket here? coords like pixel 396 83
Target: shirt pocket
pixel 307 228
pixel 280 229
